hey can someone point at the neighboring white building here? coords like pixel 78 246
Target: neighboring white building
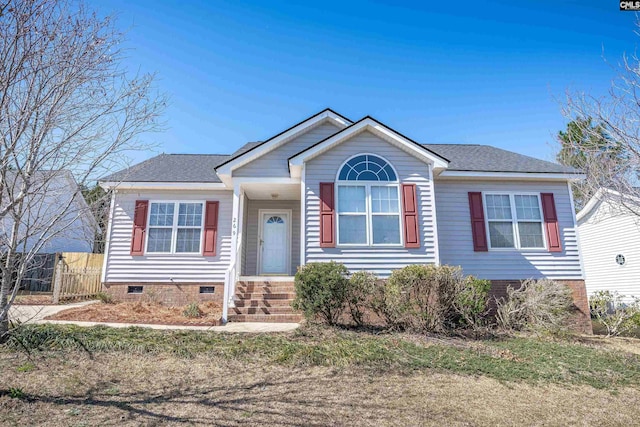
pixel 610 243
pixel 54 213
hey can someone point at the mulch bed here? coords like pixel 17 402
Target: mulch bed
pixel 34 300
pixel 142 313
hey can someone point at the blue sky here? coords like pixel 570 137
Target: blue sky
pixel 439 72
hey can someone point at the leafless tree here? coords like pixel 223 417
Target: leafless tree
pixel 67 106
pixel 614 120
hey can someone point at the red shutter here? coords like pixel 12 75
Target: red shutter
pixel 210 229
pixel 327 215
pixel 410 216
pixel 478 229
pixel 551 222
pixel 139 227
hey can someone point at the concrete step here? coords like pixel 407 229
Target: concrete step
pixel 265 282
pixel 264 296
pixel 263 310
pixel 264 303
pixel 272 318
pixel 265 289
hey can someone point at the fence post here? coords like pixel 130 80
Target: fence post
pixel 57 283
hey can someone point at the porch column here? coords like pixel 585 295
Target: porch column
pixel 235 261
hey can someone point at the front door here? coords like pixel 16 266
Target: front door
pixel 273 243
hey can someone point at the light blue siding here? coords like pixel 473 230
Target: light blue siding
pixel 275 163
pixel 122 267
pixel 456 242
pixel 375 259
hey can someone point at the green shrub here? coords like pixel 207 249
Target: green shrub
pixel 192 311
pixel 615 312
pixel 321 291
pixel 105 298
pixel 16 393
pixel 536 305
pixel 360 290
pixel 470 302
pixel 419 297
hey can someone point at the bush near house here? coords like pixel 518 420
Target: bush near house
pixel 536 305
pixel 321 291
pixel 426 298
pixel 617 314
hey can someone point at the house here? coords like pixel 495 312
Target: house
pixel 609 227
pixel 54 216
pixel 328 188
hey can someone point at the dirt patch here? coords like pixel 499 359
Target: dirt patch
pixel 42 299
pixel 208 314
pixel 132 390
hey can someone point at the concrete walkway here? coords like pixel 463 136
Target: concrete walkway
pixel 37 314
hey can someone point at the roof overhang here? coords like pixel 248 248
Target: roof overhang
pixel 535 176
pixel 625 200
pixel 366 124
pixel 226 169
pixel 162 185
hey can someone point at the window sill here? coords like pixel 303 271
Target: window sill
pixel 361 246
pixel 518 250
pixel 150 254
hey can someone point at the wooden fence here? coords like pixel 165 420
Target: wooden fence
pixel 38 276
pixel 77 276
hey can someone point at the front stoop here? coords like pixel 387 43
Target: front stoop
pixel 264 300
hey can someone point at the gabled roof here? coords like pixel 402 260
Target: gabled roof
pixel 253 150
pixel 60 184
pixel 485 158
pixel 629 203
pixel 370 124
pixel 172 168
pixel 459 160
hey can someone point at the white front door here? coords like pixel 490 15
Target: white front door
pixel 273 243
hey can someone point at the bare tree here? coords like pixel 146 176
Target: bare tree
pixel 604 136
pixel 67 106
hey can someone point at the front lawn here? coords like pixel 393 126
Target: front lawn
pixel 90 376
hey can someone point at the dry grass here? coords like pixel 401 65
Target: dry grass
pixel 35 299
pixel 130 390
pixel 142 313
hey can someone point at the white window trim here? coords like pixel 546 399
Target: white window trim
pixel 368 214
pixel 174 227
pixel 514 220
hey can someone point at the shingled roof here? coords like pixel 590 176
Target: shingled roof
pixel 201 167
pixel 485 158
pixel 172 168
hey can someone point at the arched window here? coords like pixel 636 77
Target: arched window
pixel 367 167
pixel 275 220
pixel 368 202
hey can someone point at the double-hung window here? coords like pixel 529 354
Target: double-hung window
pixel 514 221
pixel 368 203
pixel 175 227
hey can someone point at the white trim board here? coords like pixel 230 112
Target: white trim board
pixel 226 169
pixel 366 124
pixel 537 176
pixel 163 185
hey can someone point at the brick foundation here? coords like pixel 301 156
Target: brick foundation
pixel 580 320
pixel 171 294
